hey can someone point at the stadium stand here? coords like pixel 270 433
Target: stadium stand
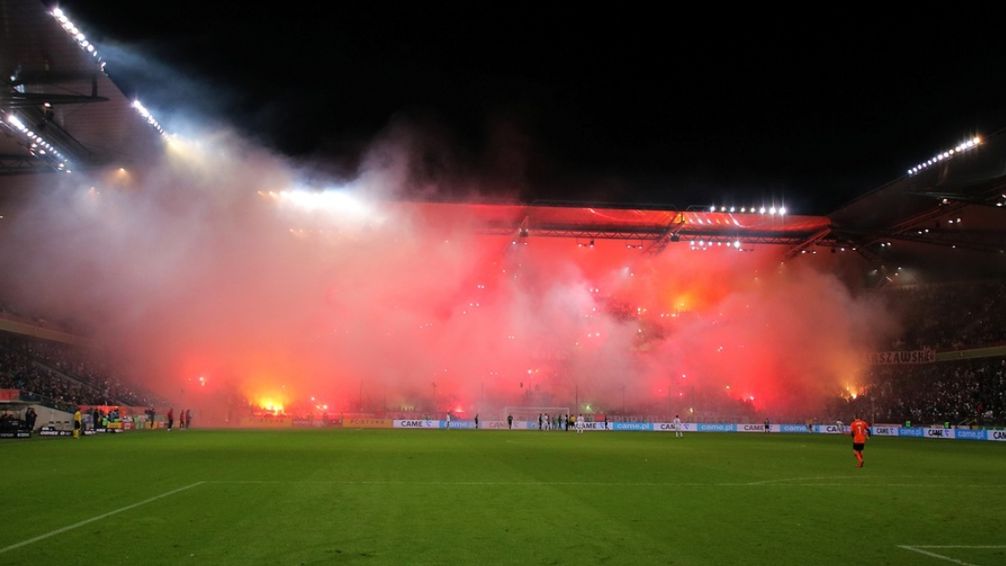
pixel 963 392
pixel 60 376
pixel 951 316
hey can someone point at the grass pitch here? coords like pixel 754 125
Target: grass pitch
pixel 499 497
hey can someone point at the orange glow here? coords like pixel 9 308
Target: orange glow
pixel 682 302
pixel 271 405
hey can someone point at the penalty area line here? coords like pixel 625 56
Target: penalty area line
pixel 97 518
pixel 921 549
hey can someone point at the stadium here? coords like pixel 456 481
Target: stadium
pixel 217 352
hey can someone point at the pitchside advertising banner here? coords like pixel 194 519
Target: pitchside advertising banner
pixel 830 429
pixel 525 425
pixel 362 422
pixel 750 427
pixel 52 431
pixel 671 427
pixel 965 434
pixel 997 435
pixel 716 427
pixel 420 423
pixel 631 426
pixel 460 424
pixel 939 432
pixel 842 429
pixel 493 425
pixel 100 430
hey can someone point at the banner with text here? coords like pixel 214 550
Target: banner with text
pixel 830 429
pixel 631 426
pixel 460 424
pixel 884 430
pixel 417 423
pixel 365 422
pixel 908 357
pixel 715 427
pixel 997 435
pixel 671 427
pixel 753 427
pixel 492 425
pixel 939 432
pixel 965 434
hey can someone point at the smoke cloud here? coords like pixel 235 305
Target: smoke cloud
pixel 217 260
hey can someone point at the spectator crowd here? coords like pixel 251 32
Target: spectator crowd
pixel 61 375
pixel 948 316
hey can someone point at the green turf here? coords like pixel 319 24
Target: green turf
pixel 498 497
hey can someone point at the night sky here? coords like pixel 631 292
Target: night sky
pixel 561 105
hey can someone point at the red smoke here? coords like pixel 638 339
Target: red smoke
pixel 205 265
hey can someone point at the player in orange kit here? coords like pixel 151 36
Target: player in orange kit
pixel 859 431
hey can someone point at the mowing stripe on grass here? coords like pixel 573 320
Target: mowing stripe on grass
pixel 921 550
pixel 98 518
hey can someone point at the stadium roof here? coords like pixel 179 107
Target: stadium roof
pixel 657 227
pixel 956 202
pixel 60 110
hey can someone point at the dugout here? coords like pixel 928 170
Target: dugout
pixel 14 420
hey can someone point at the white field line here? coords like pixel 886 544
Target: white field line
pixel 97 518
pixel 786 480
pixel 460 483
pixel 861 485
pixel 959 546
pixel 921 549
pixel 599 483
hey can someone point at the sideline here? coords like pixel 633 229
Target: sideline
pixel 98 518
pixel 919 549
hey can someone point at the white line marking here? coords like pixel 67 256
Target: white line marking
pixel 98 518
pixel 937 556
pixel 884 485
pixel 920 550
pixel 959 546
pixel 474 483
pixel 597 483
pixel 784 480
